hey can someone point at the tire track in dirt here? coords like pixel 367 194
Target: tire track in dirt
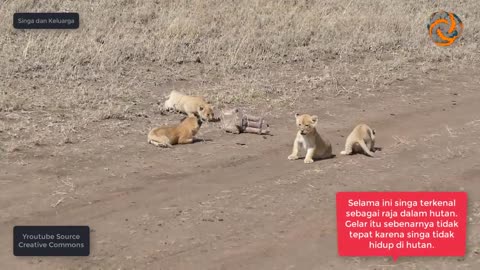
pixel 251 243
pixel 254 254
pixel 244 165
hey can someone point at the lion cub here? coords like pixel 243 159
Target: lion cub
pixel 182 133
pixel 360 140
pixel 313 143
pixel 190 105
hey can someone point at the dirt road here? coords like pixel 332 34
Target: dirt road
pixel 235 201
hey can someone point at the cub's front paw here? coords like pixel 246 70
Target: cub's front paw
pixel 308 160
pixel 292 157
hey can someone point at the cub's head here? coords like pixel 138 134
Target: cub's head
pixel 205 112
pixel 306 123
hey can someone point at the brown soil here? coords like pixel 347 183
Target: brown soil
pixel 235 201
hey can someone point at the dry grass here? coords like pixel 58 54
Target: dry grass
pixel 228 33
pixel 117 65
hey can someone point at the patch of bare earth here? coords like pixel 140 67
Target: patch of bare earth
pixel 235 201
pixel 75 108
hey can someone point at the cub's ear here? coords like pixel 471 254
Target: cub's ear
pixel 297 115
pixel 201 108
pixel 314 119
pixel 374 131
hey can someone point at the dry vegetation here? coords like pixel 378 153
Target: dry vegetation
pixel 117 65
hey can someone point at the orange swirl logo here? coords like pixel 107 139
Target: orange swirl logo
pixel 444 28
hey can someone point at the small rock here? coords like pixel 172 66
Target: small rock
pixel 208 219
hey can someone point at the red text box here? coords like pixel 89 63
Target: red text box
pixel 401 223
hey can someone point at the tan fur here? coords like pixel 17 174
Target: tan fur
pixel 360 140
pixel 182 133
pixel 190 105
pixel 307 135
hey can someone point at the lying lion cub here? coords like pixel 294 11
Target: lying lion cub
pixel 182 133
pixel 307 135
pixel 360 140
pixel 191 105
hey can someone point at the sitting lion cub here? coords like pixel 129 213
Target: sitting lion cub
pixel 307 135
pixel 191 105
pixel 182 133
pixel 360 140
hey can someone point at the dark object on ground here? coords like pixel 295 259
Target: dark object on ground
pixel 233 121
